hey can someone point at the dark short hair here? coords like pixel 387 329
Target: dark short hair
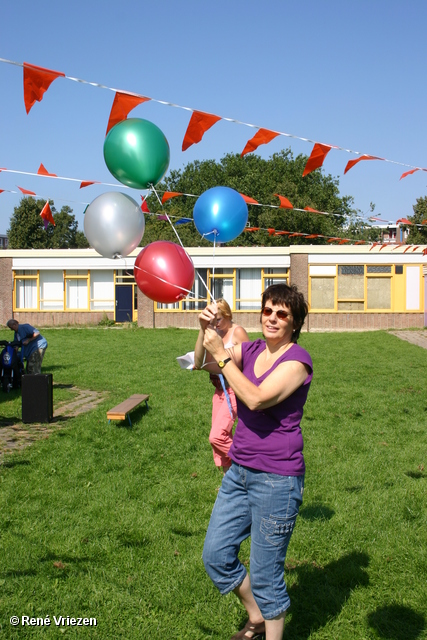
pixel 283 294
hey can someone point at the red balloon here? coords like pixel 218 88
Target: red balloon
pixel 164 272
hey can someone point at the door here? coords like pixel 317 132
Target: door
pixel 124 303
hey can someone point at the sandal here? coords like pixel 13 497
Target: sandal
pixel 258 630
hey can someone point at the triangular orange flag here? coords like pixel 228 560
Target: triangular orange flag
pixel 404 221
pixel 144 205
pixel 284 202
pixel 123 103
pixel 199 123
pixel 311 210
pixel 47 216
pixel 249 200
pixel 408 173
pixel 26 191
pixel 317 157
pixel 37 80
pixel 44 172
pixel 351 163
pixel 170 194
pixel 87 183
pixel 1 190
pixel 313 235
pixel 262 136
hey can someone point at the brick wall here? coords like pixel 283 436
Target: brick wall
pixel 299 272
pixel 364 321
pixel 190 320
pixel 6 288
pixel 145 311
pixel 56 319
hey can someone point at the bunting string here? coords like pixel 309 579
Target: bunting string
pixel 168 195
pixel 39 79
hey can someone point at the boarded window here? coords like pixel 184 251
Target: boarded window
pixel 379 293
pixel 351 282
pixel 322 293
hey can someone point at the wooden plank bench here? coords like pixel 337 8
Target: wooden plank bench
pixel 124 408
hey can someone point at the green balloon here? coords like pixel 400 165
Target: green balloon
pixel 137 153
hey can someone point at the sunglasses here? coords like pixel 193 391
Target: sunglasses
pixel 282 315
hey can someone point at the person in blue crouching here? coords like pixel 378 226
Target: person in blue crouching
pixel 33 344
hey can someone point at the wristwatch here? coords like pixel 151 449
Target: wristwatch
pixel 222 363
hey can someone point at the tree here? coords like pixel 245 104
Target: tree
pixel 260 179
pixel 418 235
pixel 26 230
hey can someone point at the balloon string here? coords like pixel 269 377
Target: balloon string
pixel 171 284
pixel 176 233
pixel 169 220
pixel 206 286
pixel 213 260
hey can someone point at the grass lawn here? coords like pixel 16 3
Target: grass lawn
pixel 107 521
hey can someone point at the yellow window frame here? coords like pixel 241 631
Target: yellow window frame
pixel 77 277
pixel 35 277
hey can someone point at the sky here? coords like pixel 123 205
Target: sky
pixel 349 74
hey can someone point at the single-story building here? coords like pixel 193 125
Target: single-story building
pixel 355 287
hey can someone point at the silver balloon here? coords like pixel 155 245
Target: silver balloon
pixel 114 224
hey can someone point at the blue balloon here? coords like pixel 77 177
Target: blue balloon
pixel 220 214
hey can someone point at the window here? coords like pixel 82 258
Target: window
pixel 199 295
pixel 221 285
pixel 274 276
pixel 25 289
pixel 323 293
pixel 248 289
pixel 351 287
pixel 102 290
pixel 76 289
pixel 51 290
pixel 241 288
pixel 64 290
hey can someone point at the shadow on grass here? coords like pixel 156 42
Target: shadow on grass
pixel 56 419
pixel 17 573
pixel 134 540
pixel 9 421
pixel 321 592
pixel 396 622
pixel 14 463
pixel 62 386
pixel 316 512
pixel 416 475
pixel 135 417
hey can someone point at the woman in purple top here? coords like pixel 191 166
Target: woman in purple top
pixel 261 493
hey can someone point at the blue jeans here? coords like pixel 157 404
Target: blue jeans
pixel 263 506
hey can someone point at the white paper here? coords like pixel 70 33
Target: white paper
pixel 186 361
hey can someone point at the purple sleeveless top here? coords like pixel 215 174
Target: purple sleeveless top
pixel 271 440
